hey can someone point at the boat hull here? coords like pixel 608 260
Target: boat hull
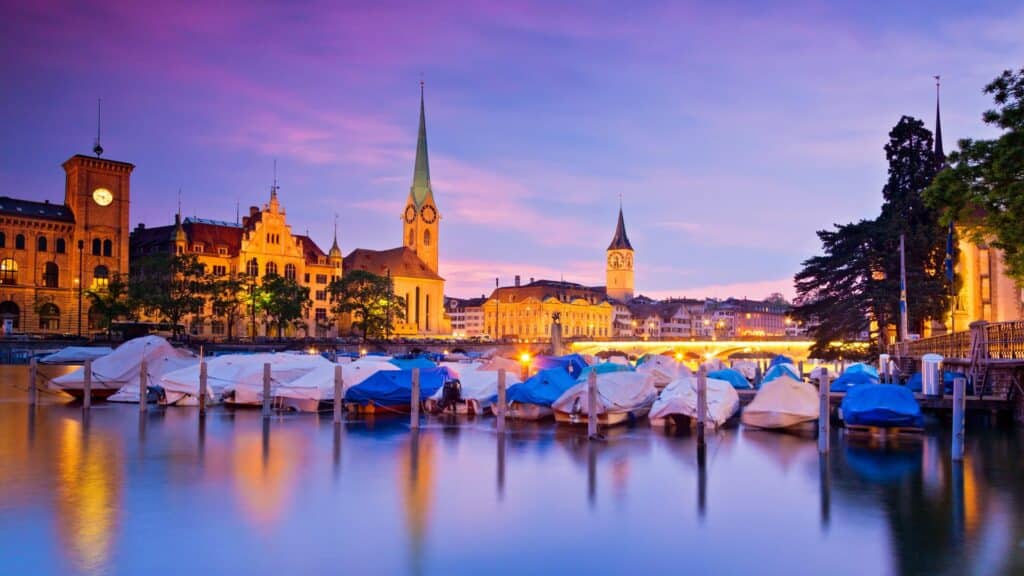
pixel 604 419
pixel 775 420
pixel 531 412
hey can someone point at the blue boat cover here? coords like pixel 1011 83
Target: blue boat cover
pixel 862 367
pixel 780 359
pixel 394 387
pixel 603 368
pixel 882 405
pixel 543 388
pixel 849 379
pixel 573 363
pixel 408 363
pixel 778 370
pixel 914 383
pixel 734 377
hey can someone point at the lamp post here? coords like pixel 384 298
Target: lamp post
pixel 81 282
pixel 387 324
pixel 252 307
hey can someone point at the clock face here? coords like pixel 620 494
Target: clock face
pixel 410 214
pixel 429 214
pixel 102 196
pixel 614 261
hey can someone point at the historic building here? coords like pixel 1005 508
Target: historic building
pixel 413 266
pixel 261 244
pixel 619 271
pixel 525 312
pixel 51 254
pixel 467 316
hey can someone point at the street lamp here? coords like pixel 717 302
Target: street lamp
pixel 81 282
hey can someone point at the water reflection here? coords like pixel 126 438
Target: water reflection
pixel 265 479
pixel 825 489
pixel 502 440
pixel 417 485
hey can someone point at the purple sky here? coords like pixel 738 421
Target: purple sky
pixel 732 132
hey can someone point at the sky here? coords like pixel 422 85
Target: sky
pixel 731 131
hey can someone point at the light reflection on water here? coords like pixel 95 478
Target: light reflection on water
pixel 164 491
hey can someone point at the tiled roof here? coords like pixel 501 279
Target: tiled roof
pixel 544 289
pixel 213 235
pixel 400 261
pixel 30 209
pixel 312 252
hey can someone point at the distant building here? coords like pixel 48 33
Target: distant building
pixel 619 272
pixel 526 311
pixel 51 253
pixel 467 316
pixel 748 318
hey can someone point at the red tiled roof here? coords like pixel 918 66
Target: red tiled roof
pixel 400 261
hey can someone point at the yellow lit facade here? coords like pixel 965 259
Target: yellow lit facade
pixel 986 290
pixel 526 312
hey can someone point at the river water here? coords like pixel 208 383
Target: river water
pixel 161 493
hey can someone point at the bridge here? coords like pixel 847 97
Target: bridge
pixel 798 350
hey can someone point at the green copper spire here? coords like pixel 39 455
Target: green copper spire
pixel 421 175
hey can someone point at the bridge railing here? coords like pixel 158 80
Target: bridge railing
pixel 1001 340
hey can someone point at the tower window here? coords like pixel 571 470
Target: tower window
pixel 108 248
pixel 19 242
pixel 61 246
pixel 100 277
pixel 8 271
pixel 51 275
pixel 426 237
pixel 41 244
pixel 97 246
pixel 412 238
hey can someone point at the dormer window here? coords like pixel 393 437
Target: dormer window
pixel 222 251
pixel 197 248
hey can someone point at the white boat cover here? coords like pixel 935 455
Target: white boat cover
pixel 498 362
pixel 746 367
pixel 714 364
pixel 620 360
pixel 243 374
pixel 477 384
pixel 616 392
pixel 680 397
pixel 318 383
pixel 121 367
pixel 781 403
pixel 75 354
pixel 663 369
pixel 817 372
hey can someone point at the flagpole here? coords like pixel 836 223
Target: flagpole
pixel 903 290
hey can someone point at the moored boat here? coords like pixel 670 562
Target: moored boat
pixel 621 397
pixel 680 399
pixel 881 406
pixel 532 399
pixel 390 391
pixel 118 372
pixel 783 402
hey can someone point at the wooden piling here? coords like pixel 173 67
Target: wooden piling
pixel 33 371
pixel 143 368
pixel 758 375
pixel 801 367
pixel 339 384
pixel 266 390
pixel 202 387
pixel 824 411
pixel 414 400
pixel 959 406
pixel 500 412
pixel 87 386
pixel 592 404
pixel 702 403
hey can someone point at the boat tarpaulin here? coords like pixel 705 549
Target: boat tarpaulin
pixel 543 388
pixel 780 359
pixel 882 405
pixel 780 370
pixel 616 392
pixel 73 354
pixel 849 379
pixel 781 403
pixel 914 382
pixel 572 363
pixel 603 368
pixel 394 387
pixel 415 362
pixel 680 397
pixel 733 377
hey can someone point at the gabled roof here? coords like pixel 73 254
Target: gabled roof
pixel 620 241
pixel 400 261
pixel 30 209
pixel 312 252
pixel 213 235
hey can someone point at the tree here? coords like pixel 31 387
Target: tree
pixel 112 302
pixel 370 300
pixel 229 298
pixel 983 188
pixel 282 300
pixel 170 286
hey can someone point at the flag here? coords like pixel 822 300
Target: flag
pixel 949 252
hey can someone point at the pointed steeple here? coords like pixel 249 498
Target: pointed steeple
pixel 420 190
pixel 620 241
pixel 335 250
pixel 940 155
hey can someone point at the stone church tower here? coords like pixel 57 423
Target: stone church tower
pixel 420 220
pixel 619 273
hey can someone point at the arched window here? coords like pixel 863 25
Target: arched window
pixel 8 272
pixel 100 276
pixel 61 246
pixel 19 242
pixel 96 246
pixel 426 237
pixel 108 248
pixel 10 311
pixel 412 237
pixel 289 271
pixel 51 275
pixel 3 240
pixel 271 269
pixel 252 268
pixel 41 244
pixel 49 317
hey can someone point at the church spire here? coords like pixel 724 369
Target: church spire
pixel 940 156
pixel 335 250
pixel 620 241
pixel 421 174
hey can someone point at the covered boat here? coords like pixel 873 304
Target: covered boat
pixel 733 377
pixel 780 359
pixel 390 391
pixel 532 399
pixel 76 354
pixel 781 369
pixel 746 367
pixel 680 399
pixel 881 406
pixel 573 363
pixel 854 377
pixel 308 391
pixel 783 402
pixel 471 391
pixel 238 378
pixel 662 369
pixel 621 397
pixel 410 362
pixel 120 369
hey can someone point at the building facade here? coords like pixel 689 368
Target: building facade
pixel 525 312
pixel 619 275
pixel 467 316
pixel 51 255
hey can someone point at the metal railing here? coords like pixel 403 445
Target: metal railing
pixel 1003 341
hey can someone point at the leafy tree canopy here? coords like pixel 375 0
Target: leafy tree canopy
pixel 370 300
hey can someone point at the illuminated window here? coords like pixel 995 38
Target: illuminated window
pixel 8 272
pixel 252 268
pixel 51 275
pixel 271 269
pixel 49 317
pixel 289 271
pixel 100 276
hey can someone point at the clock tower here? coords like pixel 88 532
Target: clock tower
pixel 420 219
pixel 619 272
pixel 97 192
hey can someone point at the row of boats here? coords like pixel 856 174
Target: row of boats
pixel 655 386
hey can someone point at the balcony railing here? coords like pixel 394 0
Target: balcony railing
pixel 1003 341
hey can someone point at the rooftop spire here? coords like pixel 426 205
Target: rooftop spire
pixel 273 187
pixel 334 247
pixel 97 149
pixel 421 174
pixel 940 156
pixel 620 241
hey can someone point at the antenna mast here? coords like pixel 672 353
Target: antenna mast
pixel 99 117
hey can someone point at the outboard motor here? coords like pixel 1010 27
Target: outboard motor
pixel 451 394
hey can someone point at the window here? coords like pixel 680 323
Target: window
pixel 426 237
pixel 100 276
pixel 321 315
pixel 321 278
pixel 305 276
pixel 321 295
pixel 96 246
pixel 222 251
pixel 19 242
pixel 219 270
pixel 8 272
pixel 252 268
pixel 49 317
pixel 41 244
pixel 3 240
pixel 412 238
pixel 10 311
pixel 61 246
pixel 197 248
pixel 217 328
pixel 271 269
pixel 108 248
pixel 51 275
pixel 289 271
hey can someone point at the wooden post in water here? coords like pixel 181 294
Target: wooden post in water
pixel 824 411
pixel 266 390
pixel 414 400
pixel 702 403
pixel 33 370
pixel 501 401
pixel 87 386
pixel 959 405
pixel 338 386
pixel 801 367
pixel 142 386
pixel 202 387
pixel 592 404
pixel 757 375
